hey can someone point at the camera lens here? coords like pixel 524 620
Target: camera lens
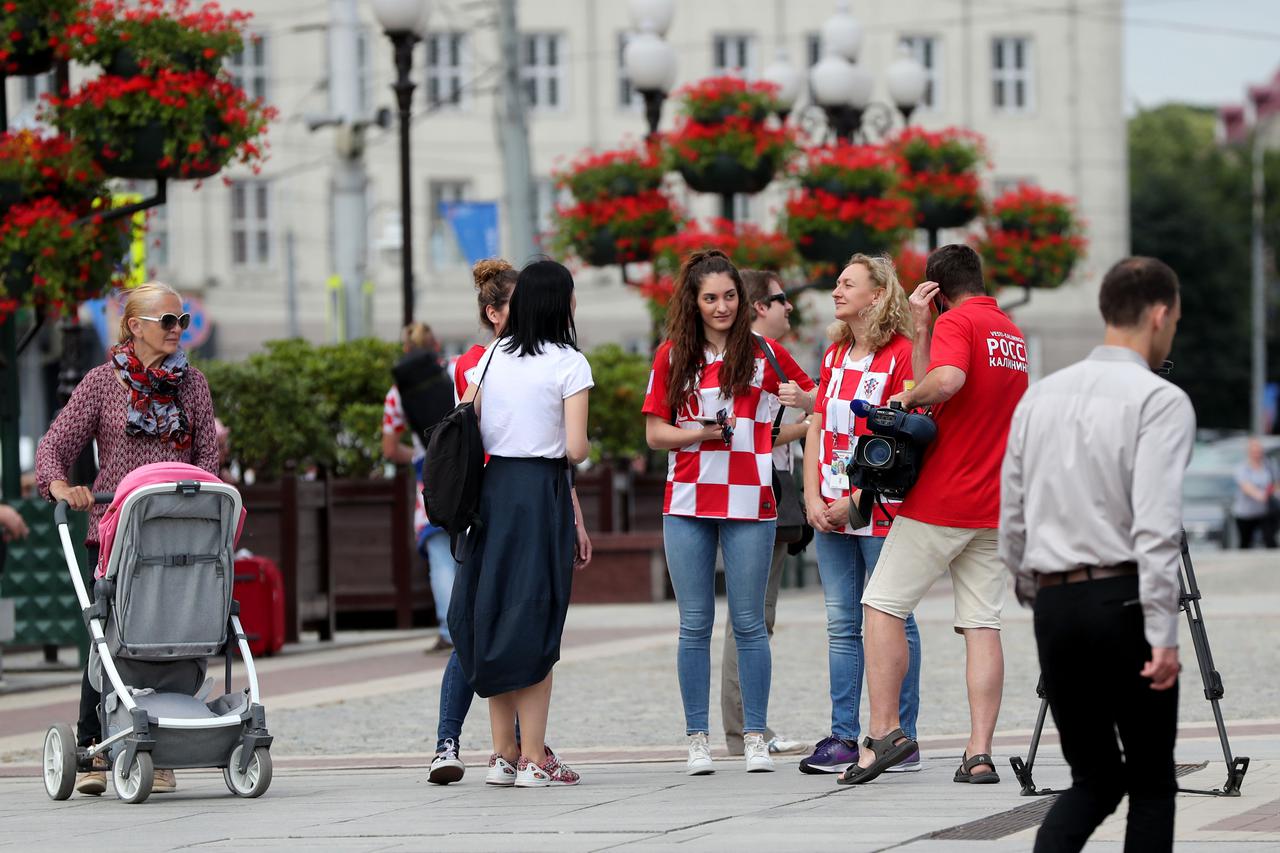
pixel 877 452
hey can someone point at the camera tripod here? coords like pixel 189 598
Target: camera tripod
pixel 1188 602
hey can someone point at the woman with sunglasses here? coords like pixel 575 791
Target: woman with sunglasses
pixel 146 404
pixel 711 403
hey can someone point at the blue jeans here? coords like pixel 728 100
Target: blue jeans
pixel 455 702
pixel 690 545
pixel 845 563
pixel 442 568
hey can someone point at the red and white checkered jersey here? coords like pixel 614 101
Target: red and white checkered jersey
pixel 875 378
pixel 707 479
pixel 464 370
pixel 395 423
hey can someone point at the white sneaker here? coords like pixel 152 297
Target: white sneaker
pixel 501 773
pixel 756 750
pixel 699 755
pixel 782 746
pixel 446 767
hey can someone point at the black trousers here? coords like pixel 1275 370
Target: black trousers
pixel 1248 526
pixel 1092 648
pixel 89 727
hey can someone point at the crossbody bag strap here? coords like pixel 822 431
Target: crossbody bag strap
pixel 488 359
pixel 777 368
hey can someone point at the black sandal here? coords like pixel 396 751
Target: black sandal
pixel 887 755
pixel 966 774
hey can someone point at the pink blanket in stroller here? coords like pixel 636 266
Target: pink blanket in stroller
pixel 147 475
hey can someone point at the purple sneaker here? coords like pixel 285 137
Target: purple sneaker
pixel 910 764
pixel 831 755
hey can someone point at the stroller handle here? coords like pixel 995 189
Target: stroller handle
pixel 60 510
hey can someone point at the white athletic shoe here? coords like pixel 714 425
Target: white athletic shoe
pixel 699 755
pixel 501 773
pixel 756 750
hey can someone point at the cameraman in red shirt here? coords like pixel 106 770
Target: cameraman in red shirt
pixel 972 370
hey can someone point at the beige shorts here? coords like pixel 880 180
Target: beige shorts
pixel 916 554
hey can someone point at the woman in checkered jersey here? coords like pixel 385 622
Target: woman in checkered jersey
pixel 710 402
pixel 869 359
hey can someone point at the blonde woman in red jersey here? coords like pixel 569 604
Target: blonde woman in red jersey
pixel 710 403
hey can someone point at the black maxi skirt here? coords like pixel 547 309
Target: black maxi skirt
pixel 511 595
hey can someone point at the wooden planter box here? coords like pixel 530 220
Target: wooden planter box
pixel 625 568
pixel 288 522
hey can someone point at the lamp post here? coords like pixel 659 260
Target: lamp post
pixel 1263 105
pixel 402 20
pixel 649 60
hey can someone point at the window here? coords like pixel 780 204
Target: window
pixel 812 49
pixel 34 87
pixel 927 51
pixel 158 238
pixel 1011 75
pixel 734 54
pixel 364 104
pixel 446 61
pixel 249 67
pixel 542 70
pixel 1000 186
pixel 250 223
pixel 546 197
pixel 628 97
pixel 742 207
pixel 445 251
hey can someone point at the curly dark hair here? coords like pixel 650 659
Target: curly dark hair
pixel 688 339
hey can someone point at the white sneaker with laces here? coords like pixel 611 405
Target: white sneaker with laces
pixel 446 767
pixel 781 746
pixel 501 773
pixel 756 750
pixel 699 755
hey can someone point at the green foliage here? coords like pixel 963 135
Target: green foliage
pixel 297 405
pixel 1189 206
pixel 615 426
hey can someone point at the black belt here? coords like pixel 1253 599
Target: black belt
pixel 1086 573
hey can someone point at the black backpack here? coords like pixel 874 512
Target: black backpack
pixel 453 470
pixel 426 391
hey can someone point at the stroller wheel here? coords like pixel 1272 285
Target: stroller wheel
pixel 59 762
pixel 133 785
pixel 254 781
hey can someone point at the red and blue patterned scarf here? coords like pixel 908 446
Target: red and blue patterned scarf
pixel 153 395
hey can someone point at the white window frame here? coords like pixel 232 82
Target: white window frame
pixel 927 50
pixel 253 76
pixel 629 98
pixel 546 196
pixel 546 84
pixel 1005 75
pixel 259 239
pixel 445 74
pixel 446 254
pixel 747 48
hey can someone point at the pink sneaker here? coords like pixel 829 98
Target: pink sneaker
pixel 501 773
pixel 550 772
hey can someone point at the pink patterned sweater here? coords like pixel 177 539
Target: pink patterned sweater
pixel 97 410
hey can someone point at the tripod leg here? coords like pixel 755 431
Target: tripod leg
pixel 1023 770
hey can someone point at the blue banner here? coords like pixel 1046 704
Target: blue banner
pixel 475 224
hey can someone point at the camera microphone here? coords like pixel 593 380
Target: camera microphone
pixel 861 408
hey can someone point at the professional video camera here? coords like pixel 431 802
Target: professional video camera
pixel 888 461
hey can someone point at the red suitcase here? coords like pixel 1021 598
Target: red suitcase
pixel 260 590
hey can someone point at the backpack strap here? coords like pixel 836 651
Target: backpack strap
pixel 777 368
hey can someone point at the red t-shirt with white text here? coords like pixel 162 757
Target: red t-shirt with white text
pixel 707 479
pixel 959 485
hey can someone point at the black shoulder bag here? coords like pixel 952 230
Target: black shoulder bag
pixel 793 524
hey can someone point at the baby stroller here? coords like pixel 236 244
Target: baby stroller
pixel 161 606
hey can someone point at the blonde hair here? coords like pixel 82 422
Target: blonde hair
pixel 139 302
pixel 419 336
pixel 887 316
pixel 495 279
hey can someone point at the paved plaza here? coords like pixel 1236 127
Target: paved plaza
pixel 355 722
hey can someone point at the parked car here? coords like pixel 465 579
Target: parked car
pixel 1209 487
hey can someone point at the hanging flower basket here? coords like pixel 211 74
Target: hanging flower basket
pixel 612 230
pixel 827 228
pixel 722 144
pixel 50 263
pixel 35 163
pixel 33 34
pixel 133 37
pixel 1033 239
pixel 860 171
pixel 910 265
pixel 941 177
pixel 612 173
pixel 177 124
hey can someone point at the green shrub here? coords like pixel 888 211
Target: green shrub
pixel 615 424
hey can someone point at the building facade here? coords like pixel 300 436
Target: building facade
pixel 1042 84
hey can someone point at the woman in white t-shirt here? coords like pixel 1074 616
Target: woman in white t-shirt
pixel 512 594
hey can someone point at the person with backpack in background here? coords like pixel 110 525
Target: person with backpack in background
pixel 524 539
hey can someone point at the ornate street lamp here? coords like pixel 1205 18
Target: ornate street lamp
pixel 403 22
pixel 788 79
pixel 649 60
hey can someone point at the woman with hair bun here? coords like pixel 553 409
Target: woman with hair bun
pixel 711 402
pixel 146 404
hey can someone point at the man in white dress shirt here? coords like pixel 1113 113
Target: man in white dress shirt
pixel 1090 526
